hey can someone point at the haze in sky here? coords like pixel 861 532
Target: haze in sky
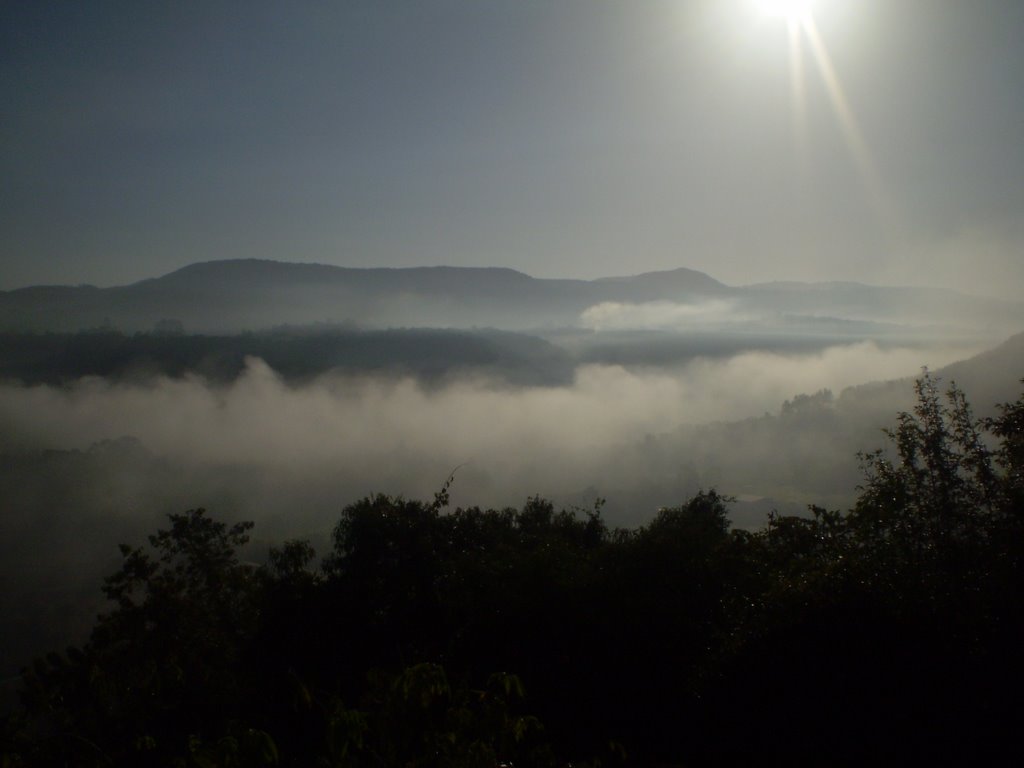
pixel 879 142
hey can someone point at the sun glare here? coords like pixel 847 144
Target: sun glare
pixel 792 10
pixel 803 31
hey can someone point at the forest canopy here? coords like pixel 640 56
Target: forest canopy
pixel 542 637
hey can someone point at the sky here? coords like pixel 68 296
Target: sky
pixel 562 138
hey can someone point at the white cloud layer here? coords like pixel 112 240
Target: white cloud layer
pixel 658 315
pixel 392 435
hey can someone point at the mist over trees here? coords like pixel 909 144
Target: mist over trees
pixel 95 460
pixel 536 637
pixel 484 623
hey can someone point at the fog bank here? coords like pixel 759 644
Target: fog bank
pixel 369 434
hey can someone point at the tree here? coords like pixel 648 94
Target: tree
pixel 946 502
pixel 893 630
pixel 162 669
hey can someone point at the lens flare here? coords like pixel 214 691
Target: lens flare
pixel 804 35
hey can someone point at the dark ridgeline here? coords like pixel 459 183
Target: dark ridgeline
pixel 532 637
pixel 298 354
pixel 251 294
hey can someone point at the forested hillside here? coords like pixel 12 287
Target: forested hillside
pixel 298 354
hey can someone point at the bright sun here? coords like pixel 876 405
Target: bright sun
pixel 793 10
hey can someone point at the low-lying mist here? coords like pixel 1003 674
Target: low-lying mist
pixel 100 461
pixel 392 435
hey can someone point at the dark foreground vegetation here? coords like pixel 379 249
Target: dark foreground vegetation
pixel 889 634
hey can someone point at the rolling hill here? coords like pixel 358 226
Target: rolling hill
pixel 249 294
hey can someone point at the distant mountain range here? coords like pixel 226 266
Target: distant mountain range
pixel 250 294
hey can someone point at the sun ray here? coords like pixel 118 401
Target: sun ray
pixel 797 94
pixel 802 27
pixel 849 127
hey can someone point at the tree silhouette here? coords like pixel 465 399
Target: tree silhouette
pixel 889 633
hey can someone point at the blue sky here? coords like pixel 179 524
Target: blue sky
pixel 564 138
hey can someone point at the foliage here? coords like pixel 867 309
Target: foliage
pixel 163 666
pixel 896 620
pixel 889 633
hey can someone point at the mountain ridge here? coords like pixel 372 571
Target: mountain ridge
pixel 249 294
